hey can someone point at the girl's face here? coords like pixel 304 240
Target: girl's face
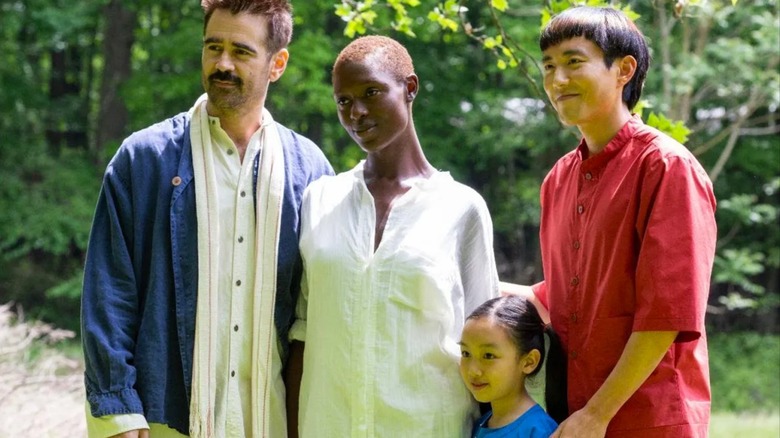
pixel 491 365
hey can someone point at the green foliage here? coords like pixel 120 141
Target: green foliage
pixel 47 201
pixel 739 267
pixel 481 114
pixel 677 129
pixel 166 69
pixel 358 17
pixel 743 372
pixel 714 74
pixel 558 6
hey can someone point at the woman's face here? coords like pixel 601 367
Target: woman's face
pixel 373 104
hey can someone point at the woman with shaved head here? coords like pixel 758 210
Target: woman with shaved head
pixel 396 254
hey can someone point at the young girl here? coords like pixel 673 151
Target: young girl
pixel 503 344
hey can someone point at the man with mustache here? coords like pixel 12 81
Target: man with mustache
pixel 193 269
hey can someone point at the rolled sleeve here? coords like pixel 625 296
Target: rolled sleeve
pixel 110 425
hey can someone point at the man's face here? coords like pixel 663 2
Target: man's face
pixel 373 105
pixel 581 88
pixel 236 64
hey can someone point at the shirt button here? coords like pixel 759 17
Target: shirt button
pixel 576 244
pixel 573 354
pixel 580 208
pixel 230 151
pixel 575 281
pixel 238 282
pixel 240 239
pixel 176 181
pixel 232 374
pixel 588 176
pixel 235 328
pixel 243 193
pixel 573 317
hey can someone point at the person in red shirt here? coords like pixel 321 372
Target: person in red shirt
pixel 627 240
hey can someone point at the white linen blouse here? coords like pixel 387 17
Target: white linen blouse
pixel 382 327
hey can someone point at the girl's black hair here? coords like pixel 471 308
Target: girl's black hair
pixel 612 32
pixel 525 327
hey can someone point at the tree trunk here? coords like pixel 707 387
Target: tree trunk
pixel 120 23
pixel 67 121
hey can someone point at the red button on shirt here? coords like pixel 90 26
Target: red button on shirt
pixel 647 242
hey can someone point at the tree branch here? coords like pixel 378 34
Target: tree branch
pixel 747 111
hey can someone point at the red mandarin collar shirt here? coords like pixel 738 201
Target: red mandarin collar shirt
pixel 627 241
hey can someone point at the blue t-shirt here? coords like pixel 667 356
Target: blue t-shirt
pixel 534 423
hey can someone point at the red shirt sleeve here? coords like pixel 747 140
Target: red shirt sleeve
pixel 678 232
pixel 540 290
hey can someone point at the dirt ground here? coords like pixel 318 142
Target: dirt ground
pixel 42 408
pixel 41 389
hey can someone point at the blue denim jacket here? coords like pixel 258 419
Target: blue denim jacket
pixel 141 273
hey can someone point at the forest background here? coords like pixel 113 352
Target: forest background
pixel 78 77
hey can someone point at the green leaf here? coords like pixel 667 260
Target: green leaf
pixel 676 130
pixel 501 5
pixel 351 29
pixel 368 17
pixel 343 10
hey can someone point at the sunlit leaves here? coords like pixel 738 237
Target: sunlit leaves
pixel 503 53
pixel 675 129
pixel 361 16
pixel 501 5
pixel 358 16
pixel 557 6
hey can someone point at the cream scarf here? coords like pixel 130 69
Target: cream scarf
pixel 268 209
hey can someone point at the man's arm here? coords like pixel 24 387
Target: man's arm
pixel 642 354
pixel 109 302
pixel 293 373
pixel 292 381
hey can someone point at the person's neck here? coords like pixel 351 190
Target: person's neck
pixel 398 164
pixel 506 411
pixel 598 134
pixel 240 127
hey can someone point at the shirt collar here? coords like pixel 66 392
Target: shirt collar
pixel 420 183
pixel 618 142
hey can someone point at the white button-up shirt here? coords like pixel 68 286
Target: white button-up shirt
pixel 382 327
pixel 236 293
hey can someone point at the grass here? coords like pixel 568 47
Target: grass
pixel 753 425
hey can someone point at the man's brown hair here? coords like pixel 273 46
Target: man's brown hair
pixel 278 12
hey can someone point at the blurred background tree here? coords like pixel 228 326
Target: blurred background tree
pixel 76 78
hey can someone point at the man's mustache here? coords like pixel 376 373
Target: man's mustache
pixel 225 76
